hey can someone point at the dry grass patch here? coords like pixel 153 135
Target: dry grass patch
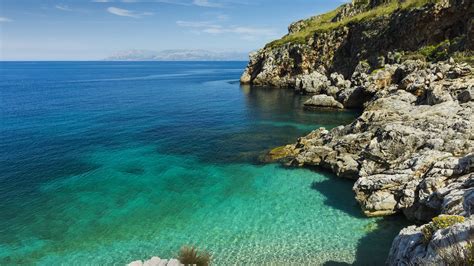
pixel 189 255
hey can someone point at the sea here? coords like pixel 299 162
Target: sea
pixel 104 163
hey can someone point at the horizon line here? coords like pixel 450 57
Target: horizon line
pixel 123 60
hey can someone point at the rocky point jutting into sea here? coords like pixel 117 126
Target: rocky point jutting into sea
pixel 408 66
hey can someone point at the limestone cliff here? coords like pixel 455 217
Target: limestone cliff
pixel 355 32
pixel 412 149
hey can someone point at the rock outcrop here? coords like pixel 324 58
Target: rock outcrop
pixel 412 149
pixel 453 245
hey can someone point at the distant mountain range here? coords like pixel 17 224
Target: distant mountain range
pixel 177 55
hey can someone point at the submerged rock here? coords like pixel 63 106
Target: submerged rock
pixel 279 153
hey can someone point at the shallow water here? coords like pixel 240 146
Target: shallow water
pixel 106 163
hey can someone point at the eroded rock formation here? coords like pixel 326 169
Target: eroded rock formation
pixel 412 149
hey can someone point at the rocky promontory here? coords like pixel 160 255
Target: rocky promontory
pixel 411 151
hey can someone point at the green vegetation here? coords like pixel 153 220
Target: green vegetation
pixel 436 52
pixel 312 25
pixel 325 22
pixel 191 256
pixel 442 51
pixel 466 56
pixel 440 222
pixel 413 56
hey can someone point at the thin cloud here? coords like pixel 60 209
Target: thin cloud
pixel 206 3
pixel 199 3
pixel 249 31
pixel 223 17
pixel 214 28
pixel 63 7
pixel 172 2
pixel 127 13
pixel 4 19
pixel 196 24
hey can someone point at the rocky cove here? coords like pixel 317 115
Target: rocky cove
pixel 411 149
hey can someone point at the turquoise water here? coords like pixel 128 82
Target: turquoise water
pixel 106 163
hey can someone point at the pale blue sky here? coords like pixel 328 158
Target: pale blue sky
pixel 89 30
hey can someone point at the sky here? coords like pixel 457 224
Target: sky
pixel 95 29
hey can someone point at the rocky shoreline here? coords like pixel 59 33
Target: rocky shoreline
pixel 411 151
pixel 407 153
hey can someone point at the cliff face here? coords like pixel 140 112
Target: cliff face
pixel 412 149
pixel 339 44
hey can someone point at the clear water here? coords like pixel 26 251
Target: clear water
pixel 106 163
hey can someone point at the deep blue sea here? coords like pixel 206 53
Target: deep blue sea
pixel 110 162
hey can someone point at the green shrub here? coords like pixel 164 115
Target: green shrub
pixel 436 52
pixel 360 2
pixel 413 56
pixel 397 57
pixel 189 255
pixel 442 51
pixel 440 222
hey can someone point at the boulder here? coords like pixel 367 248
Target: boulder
pixel 312 83
pixel 437 95
pixel 324 101
pixel 466 95
pixel 354 97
